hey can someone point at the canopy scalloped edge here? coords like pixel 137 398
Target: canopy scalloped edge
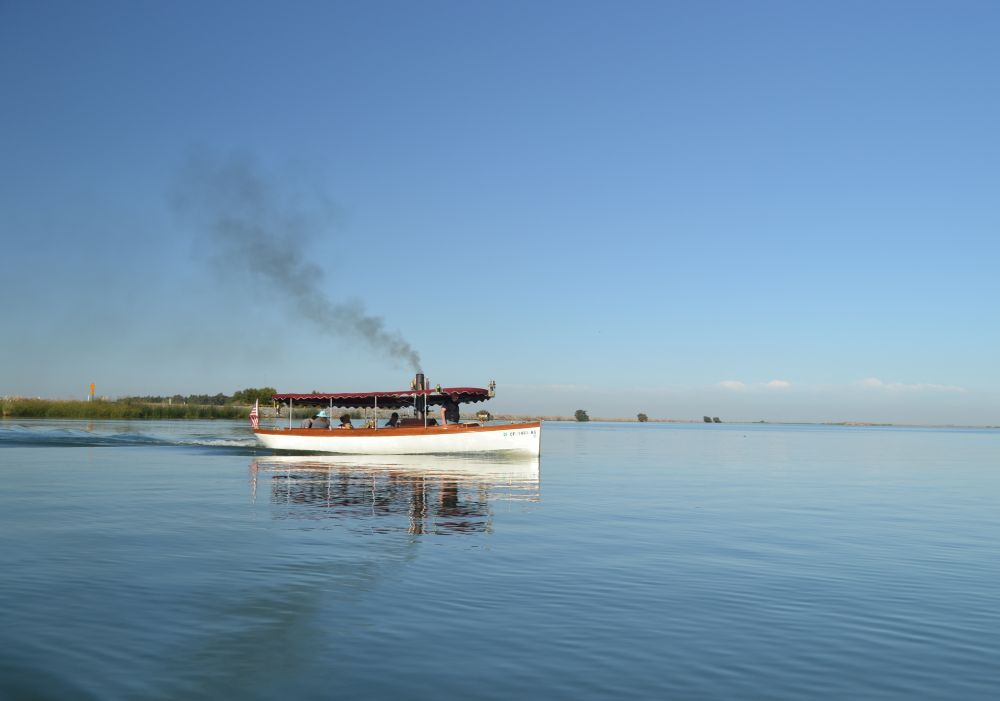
pixel 386 400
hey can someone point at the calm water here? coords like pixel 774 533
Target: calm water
pixel 645 561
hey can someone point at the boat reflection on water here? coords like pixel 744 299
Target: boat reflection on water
pixel 421 494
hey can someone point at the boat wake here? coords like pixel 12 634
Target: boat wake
pixel 71 437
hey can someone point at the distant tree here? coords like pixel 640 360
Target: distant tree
pixel 254 394
pixel 643 418
pixel 207 399
pixel 581 415
pixel 708 419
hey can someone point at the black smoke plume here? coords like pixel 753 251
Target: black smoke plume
pixel 249 226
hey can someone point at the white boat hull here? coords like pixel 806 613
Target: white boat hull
pixel 524 438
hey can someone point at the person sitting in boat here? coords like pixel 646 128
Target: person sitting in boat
pixel 345 421
pixel 449 410
pixel 307 422
pixel 322 420
pixel 393 421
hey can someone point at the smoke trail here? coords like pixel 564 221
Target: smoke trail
pixel 249 227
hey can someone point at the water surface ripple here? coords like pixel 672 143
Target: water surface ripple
pixel 165 560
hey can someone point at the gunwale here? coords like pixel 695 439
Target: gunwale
pixel 402 431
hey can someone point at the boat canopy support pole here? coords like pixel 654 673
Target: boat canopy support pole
pixel 376 412
pixel 291 402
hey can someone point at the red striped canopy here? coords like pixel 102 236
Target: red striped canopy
pixel 386 400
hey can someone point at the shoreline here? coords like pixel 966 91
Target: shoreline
pixel 25 408
pixel 849 424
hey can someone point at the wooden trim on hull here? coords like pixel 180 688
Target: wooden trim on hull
pixel 461 438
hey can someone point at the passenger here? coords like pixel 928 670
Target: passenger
pixel 322 420
pixel 307 423
pixel 393 421
pixel 449 410
pixel 345 421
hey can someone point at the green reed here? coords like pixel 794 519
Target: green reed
pixel 114 409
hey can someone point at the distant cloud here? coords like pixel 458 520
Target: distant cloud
pixel 739 386
pixel 734 385
pixel 873 383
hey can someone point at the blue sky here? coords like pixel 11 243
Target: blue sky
pixel 764 210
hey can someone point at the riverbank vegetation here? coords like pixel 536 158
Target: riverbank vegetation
pixel 116 409
pixel 192 406
pixel 244 397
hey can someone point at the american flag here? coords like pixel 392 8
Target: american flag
pixel 254 416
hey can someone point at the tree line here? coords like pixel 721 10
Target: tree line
pixel 243 396
pixel 581 415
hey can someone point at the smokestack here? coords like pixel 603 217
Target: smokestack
pixel 418 383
